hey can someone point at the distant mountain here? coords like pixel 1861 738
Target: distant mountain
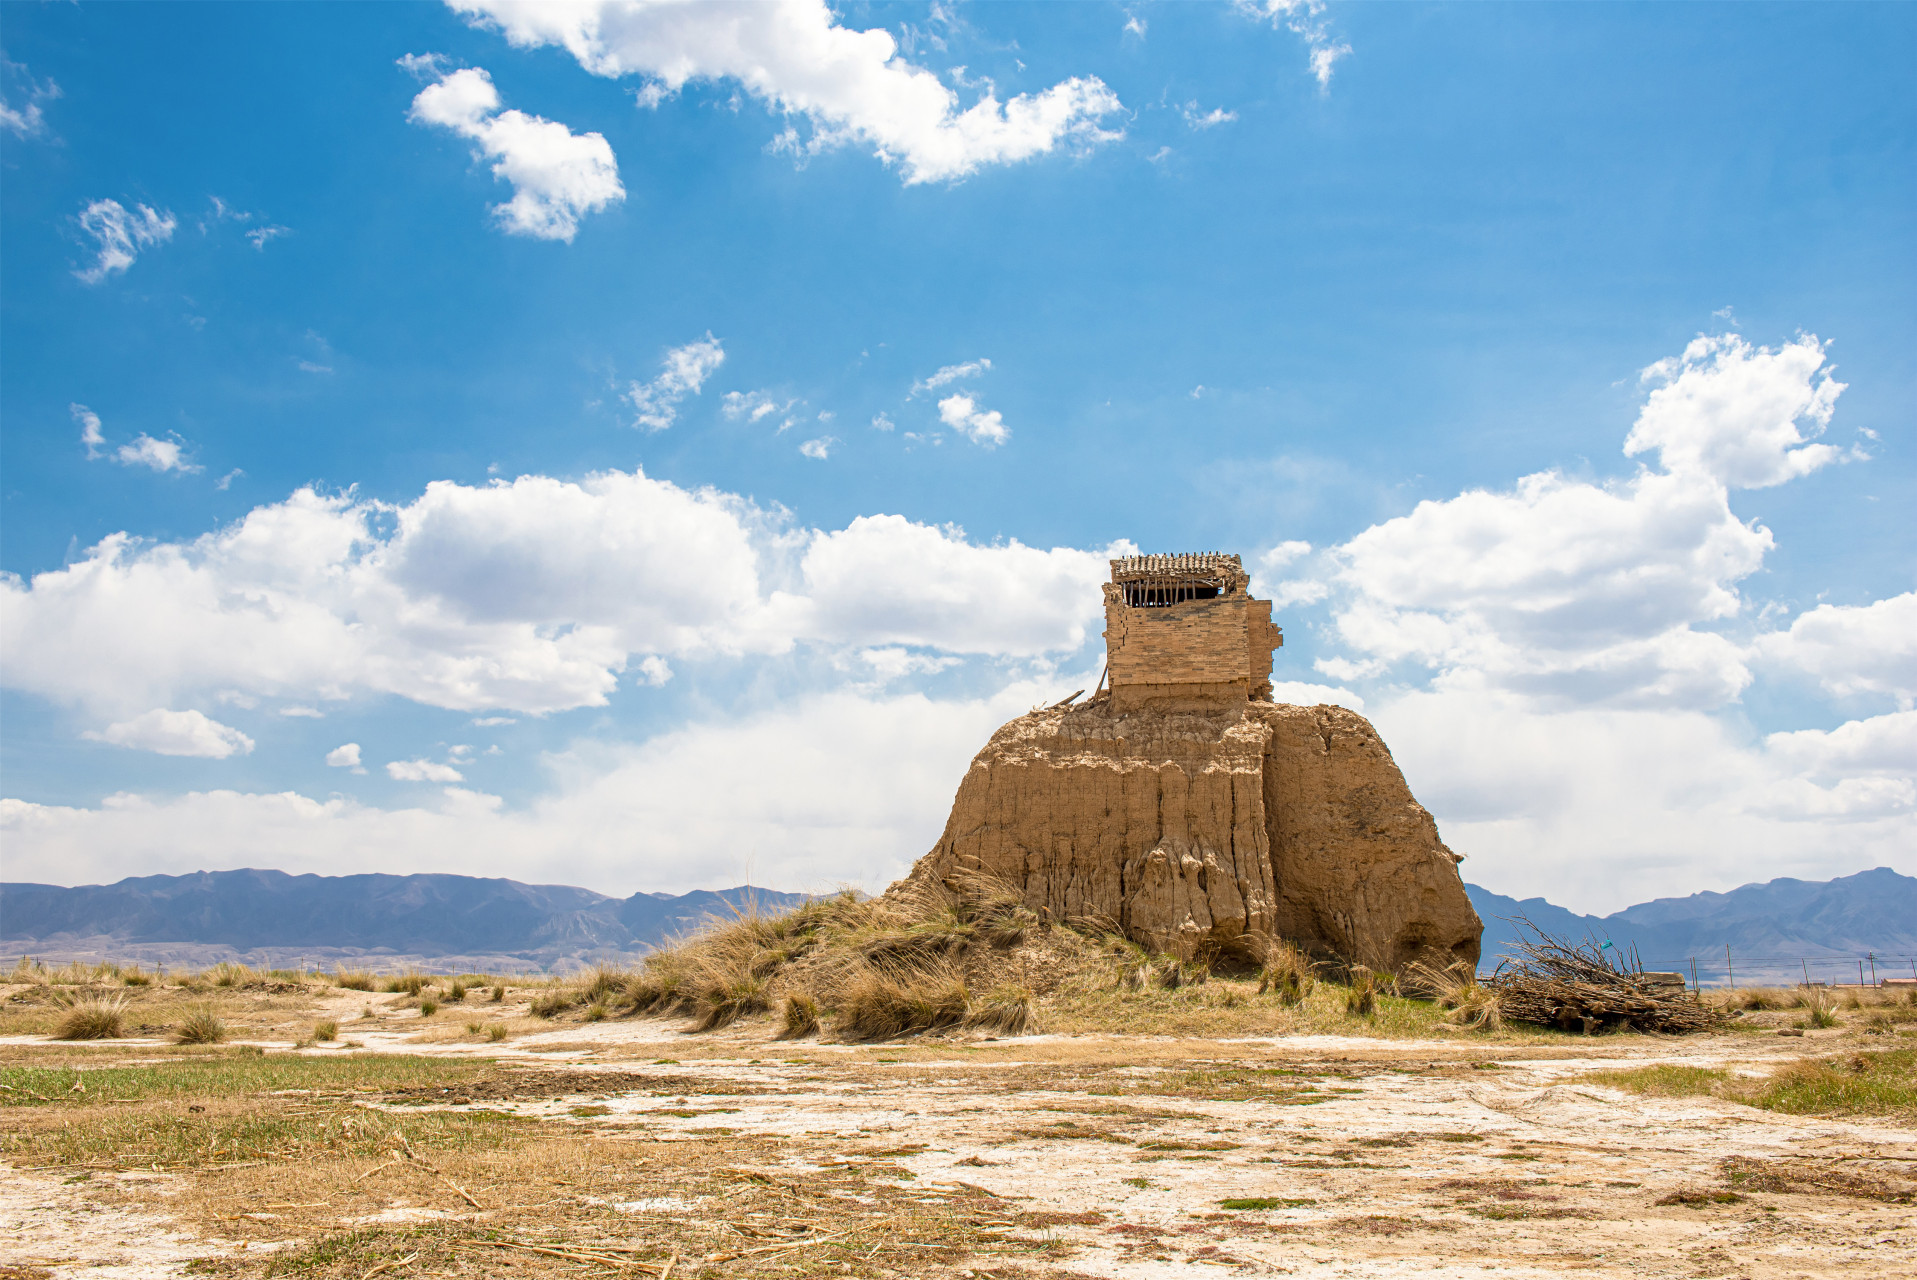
pixel 1783 929
pixel 270 917
pixel 1775 931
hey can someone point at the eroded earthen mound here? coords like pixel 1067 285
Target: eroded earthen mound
pixel 1192 829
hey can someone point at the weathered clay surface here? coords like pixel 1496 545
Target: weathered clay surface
pixel 1194 827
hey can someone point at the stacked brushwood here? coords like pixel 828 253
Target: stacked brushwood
pixel 1574 986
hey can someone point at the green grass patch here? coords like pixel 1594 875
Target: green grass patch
pixel 1882 1083
pixel 1264 1202
pixel 227 1074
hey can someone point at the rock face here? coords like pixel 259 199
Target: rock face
pixel 1189 826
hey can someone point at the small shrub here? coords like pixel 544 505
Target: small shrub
pixel 551 1004
pixel 499 992
pixel 1456 987
pixel 231 975
pixel 800 1014
pixel 496 1032
pixel 200 1026
pixel 474 1028
pixel 1012 1010
pixel 94 1018
pixel 428 1007
pixel 881 1002
pixel 727 997
pixel 1361 996
pixel 137 978
pixel 456 993
pixel 1820 1009
pixel 596 1011
pixel 327 1030
pixel 408 984
pixel 1286 970
pixel 366 1011
pixel 603 982
pixel 353 980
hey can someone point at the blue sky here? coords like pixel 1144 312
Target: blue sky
pixel 665 441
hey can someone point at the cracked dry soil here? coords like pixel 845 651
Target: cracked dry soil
pixel 1067 1157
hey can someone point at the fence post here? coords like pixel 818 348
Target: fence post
pixel 1860 973
pixel 1806 965
pixel 1730 977
pixel 1873 967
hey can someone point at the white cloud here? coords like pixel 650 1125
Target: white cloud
pixel 847 86
pixel 685 371
pixel 981 426
pixel 490 722
pixel 846 788
pixel 259 236
pixel 422 771
pixel 1198 119
pixel 531 596
pixel 1853 650
pixel 1283 554
pixel 820 448
pixel 1738 414
pixel 951 373
pixel 654 671
pixel 27 121
pixel 120 235
pixel 882 423
pixel 175 733
pixel 749 405
pixel 1304 19
pixel 1134 25
pixel 1597 807
pixel 160 455
pixel 557 176
pixel 1596 593
pixel 345 756
pixel 89 424
pixel 303 713
pixel 884 580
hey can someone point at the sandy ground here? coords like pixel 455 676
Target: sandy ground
pixel 1378 1158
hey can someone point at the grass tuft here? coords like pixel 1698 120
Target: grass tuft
pixel 883 1002
pixel 94 1018
pixel 326 1030
pixel 799 1014
pixel 353 980
pixel 1361 993
pixel 200 1026
pixel 1012 1010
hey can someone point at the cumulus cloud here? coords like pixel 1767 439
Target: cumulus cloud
pixel 1599 807
pixel 557 176
pixel 846 86
pixel 847 788
pixel 951 373
pixel 422 771
pixel 119 236
pixel 1594 592
pixel 345 756
pixel 1853 650
pixel 530 596
pixel 685 371
pixel 159 455
pixel 175 733
pixel 1304 19
pixel 1740 415
pixel 981 426
pixel 820 448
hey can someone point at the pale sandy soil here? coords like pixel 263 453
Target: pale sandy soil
pixel 1405 1158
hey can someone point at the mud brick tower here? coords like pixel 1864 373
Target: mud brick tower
pixel 1182 629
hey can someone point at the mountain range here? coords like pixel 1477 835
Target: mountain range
pixel 1779 930
pixel 272 919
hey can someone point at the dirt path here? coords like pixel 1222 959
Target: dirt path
pixel 1118 1157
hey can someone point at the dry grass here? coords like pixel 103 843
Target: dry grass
pixel 202 1025
pixel 884 1001
pixel 353 980
pixel 1456 988
pixel 93 1018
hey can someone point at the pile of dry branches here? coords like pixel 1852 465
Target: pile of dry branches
pixel 1558 984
